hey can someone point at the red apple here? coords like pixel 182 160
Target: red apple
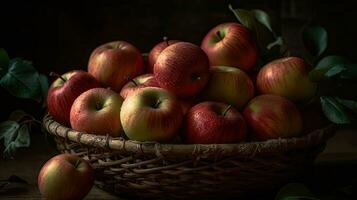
pixel 287 77
pixel 182 69
pixel 155 52
pixel 114 63
pixel 229 85
pixel 142 81
pixel 214 122
pixel 271 116
pixel 64 90
pixel 97 111
pixel 151 114
pixel 231 44
pixel 65 176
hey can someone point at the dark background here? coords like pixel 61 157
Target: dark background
pixel 59 36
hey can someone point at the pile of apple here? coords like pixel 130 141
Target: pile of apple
pixel 199 94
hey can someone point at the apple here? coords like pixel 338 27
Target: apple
pixel 65 176
pixel 114 63
pixel 214 123
pixel 182 69
pixel 97 111
pixel 287 77
pixel 228 85
pixel 271 116
pixel 231 44
pixel 155 52
pixel 142 81
pixel 151 114
pixel 64 90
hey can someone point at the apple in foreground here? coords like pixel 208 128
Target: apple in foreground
pixel 64 90
pixel 151 114
pixel 142 81
pixel 182 69
pixel 287 77
pixel 114 63
pixel 155 52
pixel 271 116
pixel 65 176
pixel 229 85
pixel 231 44
pixel 214 123
pixel 97 111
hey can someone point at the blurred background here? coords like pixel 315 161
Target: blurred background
pixel 59 36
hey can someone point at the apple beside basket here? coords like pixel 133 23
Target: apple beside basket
pixel 132 168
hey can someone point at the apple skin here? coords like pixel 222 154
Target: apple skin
pixel 97 111
pixel 208 123
pixel 231 44
pixel 114 63
pixel 65 176
pixel 182 69
pixel 271 116
pixel 151 114
pixel 142 81
pixel 61 95
pixel 287 77
pixel 228 85
pixel 155 52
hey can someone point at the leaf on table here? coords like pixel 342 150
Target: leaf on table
pixel 8 128
pixel 350 72
pixel 4 62
pixel 22 80
pixel 295 191
pixel 315 39
pixel 12 179
pixel 334 111
pixel 19 138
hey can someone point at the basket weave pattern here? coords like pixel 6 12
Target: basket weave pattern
pixel 149 169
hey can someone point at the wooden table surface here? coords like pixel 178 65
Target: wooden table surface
pixel 335 167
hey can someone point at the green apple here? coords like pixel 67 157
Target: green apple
pixel 229 85
pixel 151 114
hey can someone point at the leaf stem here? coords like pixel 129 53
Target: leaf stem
pixel 77 163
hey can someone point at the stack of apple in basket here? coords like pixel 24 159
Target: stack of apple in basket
pixel 188 120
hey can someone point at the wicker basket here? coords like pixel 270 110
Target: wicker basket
pixel 173 171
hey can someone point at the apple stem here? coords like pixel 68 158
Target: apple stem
pixel 166 40
pixel 226 110
pixel 157 103
pixel 58 76
pixel 132 80
pixel 77 163
pixel 219 35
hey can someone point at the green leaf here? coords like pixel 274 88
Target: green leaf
pixel 334 111
pixel 295 191
pixel 8 128
pixel 4 62
pixel 263 34
pixel 315 40
pixel 325 65
pixel 43 80
pixel 262 17
pixel 21 138
pixel 278 42
pixel 334 71
pixel 245 17
pixel 22 80
pixel 350 72
pixel 348 103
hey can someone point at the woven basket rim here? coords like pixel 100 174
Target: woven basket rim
pixel 249 148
